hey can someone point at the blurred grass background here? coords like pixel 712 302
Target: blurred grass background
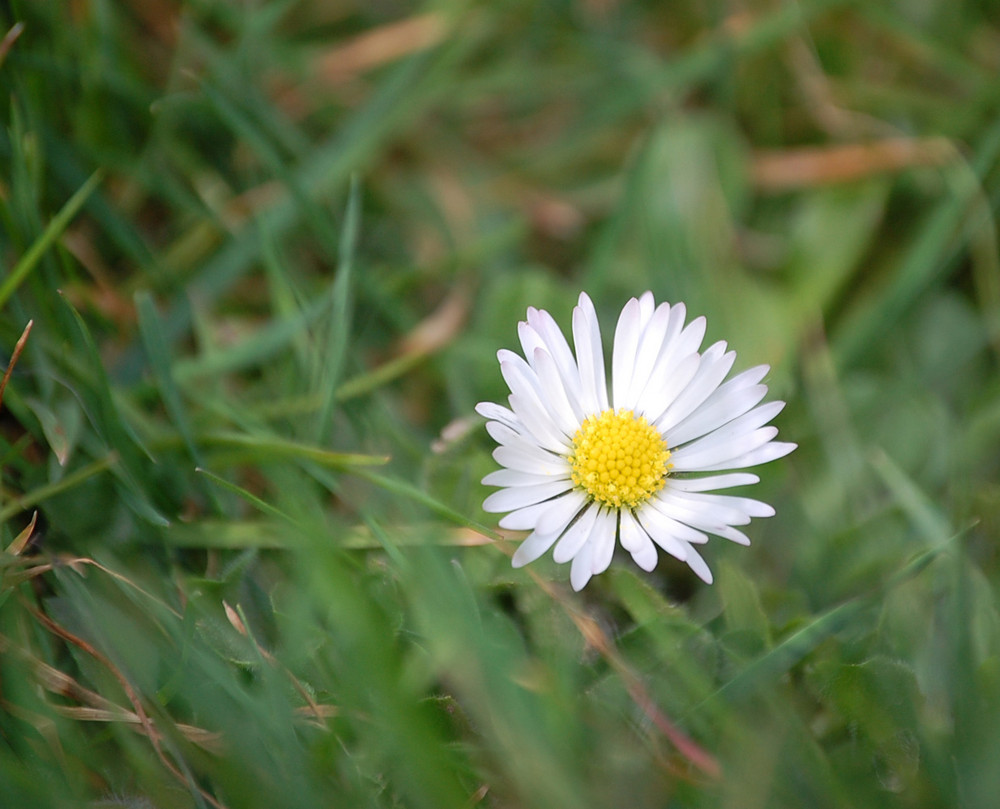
pixel 269 250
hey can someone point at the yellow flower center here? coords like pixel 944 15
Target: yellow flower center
pixel 619 459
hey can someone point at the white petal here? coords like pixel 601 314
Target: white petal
pixel 733 535
pixel 691 336
pixel 678 343
pixel 647 304
pixel 580 569
pixel 623 353
pixel 665 531
pixel 537 422
pixel 673 343
pixel 755 508
pixel 697 564
pixel 554 393
pixel 560 512
pixel 708 455
pixel 530 339
pixel 524 519
pixel 603 541
pixel 742 392
pixel 726 404
pixel 528 403
pixel 513 477
pixel 555 344
pixel 712 482
pixel 515 436
pixel 736 428
pixel 728 502
pixel 671 352
pixel 535 462
pixel 646 557
pixel 647 353
pixel 636 541
pixel 697 516
pixel 769 452
pixel 725 509
pixel 663 514
pixel 496 412
pixel 554 340
pixel 715 364
pixel 522 496
pixel 531 549
pixel 666 385
pixel 576 536
pixel 589 357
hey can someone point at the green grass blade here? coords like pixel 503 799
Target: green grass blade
pixel 261 505
pixel 52 232
pixel 332 360
pixel 43 493
pixel 929 257
pixel 162 367
pixel 266 449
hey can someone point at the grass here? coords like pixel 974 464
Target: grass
pixel 268 252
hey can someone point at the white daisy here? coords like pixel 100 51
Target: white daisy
pixel 582 467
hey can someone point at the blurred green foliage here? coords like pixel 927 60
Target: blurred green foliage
pixel 269 250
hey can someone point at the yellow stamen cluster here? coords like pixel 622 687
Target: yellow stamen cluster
pixel 619 459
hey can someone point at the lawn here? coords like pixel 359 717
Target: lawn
pixel 258 259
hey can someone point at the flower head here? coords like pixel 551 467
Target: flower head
pixel 584 466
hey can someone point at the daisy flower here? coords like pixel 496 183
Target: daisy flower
pixel 584 465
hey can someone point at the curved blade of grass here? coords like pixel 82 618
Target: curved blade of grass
pixel 267 448
pixel 53 231
pixel 417 495
pixel 9 39
pixel 382 375
pixel 929 257
pixel 21 540
pixel 251 352
pixel 250 497
pixel 18 348
pixel 95 390
pixel 770 666
pixel 332 359
pixel 921 510
pixel 248 131
pixel 160 363
pixel 406 92
pixel 42 493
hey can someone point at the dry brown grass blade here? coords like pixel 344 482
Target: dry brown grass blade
pixel 95 708
pixel 18 348
pixel 44 725
pixel 440 327
pixel 54 680
pixel 9 39
pixel 148 728
pixel 380 46
pixel 22 539
pixel 206 739
pixel 312 707
pixel 76 563
pixel 343 68
pixel 598 639
pixel 791 169
pixel 479 795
